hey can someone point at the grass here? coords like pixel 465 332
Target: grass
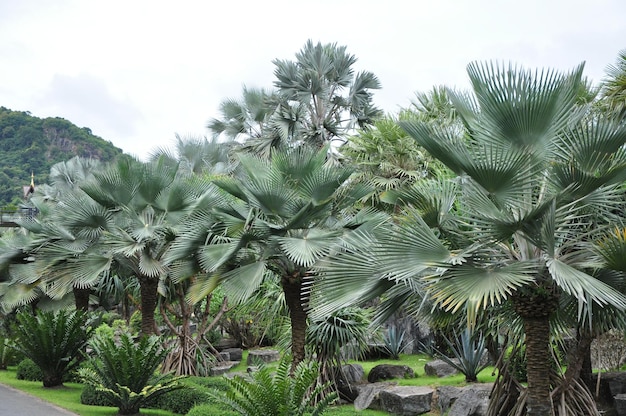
pixel 67 396
pixel 417 362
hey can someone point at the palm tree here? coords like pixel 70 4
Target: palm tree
pixel 198 155
pixel 244 119
pixel 283 215
pixel 537 183
pixel 322 99
pixel 19 249
pixel 613 87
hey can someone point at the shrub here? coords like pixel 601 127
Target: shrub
pixel 53 340
pixel 93 397
pixel 28 370
pixel 277 393
pixel 182 400
pixel 125 371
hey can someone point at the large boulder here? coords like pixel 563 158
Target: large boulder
pixel 368 397
pixel 446 396
pixel 262 356
pixel 347 379
pixel 406 400
pixel 222 367
pixel 389 371
pixel 235 354
pixel 439 368
pixel 473 401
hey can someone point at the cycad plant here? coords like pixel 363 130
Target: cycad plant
pixel 53 340
pixel 275 392
pixel 125 372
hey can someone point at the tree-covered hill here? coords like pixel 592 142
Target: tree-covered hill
pixel 32 145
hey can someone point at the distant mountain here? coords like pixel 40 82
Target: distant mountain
pixel 32 145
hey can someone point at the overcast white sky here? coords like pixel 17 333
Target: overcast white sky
pixel 138 71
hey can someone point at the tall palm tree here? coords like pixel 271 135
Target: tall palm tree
pixel 283 215
pixel 537 183
pixel 322 98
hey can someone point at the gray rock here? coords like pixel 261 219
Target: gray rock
pixel 222 367
pixel 265 356
pixel 446 396
pixel 389 371
pixel 347 378
pixel 353 373
pixel 620 404
pixel 439 368
pixel 224 356
pixel 235 353
pixel 406 400
pixel 473 401
pixel 368 396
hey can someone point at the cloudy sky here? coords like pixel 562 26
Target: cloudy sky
pixel 137 72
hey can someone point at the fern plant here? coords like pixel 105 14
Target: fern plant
pixel 125 372
pixel 468 350
pixel 53 341
pixel 279 393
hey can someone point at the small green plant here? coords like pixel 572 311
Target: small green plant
pixel 28 370
pixel 278 394
pixel 468 351
pixel 53 340
pixel 125 372
pixel 394 342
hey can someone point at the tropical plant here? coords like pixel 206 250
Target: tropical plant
pixel 613 87
pixel 469 354
pixel 125 371
pixel 538 182
pixel 394 342
pixel 7 353
pixel 277 392
pixel 53 340
pixel 283 215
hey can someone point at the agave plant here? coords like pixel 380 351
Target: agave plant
pixel 53 340
pixel 125 372
pixel 278 394
pixel 469 352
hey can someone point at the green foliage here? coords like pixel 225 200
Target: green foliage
pixel 93 397
pixel 32 145
pixel 278 394
pixel 8 354
pixel 28 370
pixel 394 342
pixel 468 350
pixel 182 400
pixel 53 340
pixel 125 371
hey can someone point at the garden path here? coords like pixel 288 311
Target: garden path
pixel 16 403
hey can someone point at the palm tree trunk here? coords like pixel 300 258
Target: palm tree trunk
pixel 81 298
pixel 538 355
pixel 148 289
pixel 292 287
pixel 535 310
